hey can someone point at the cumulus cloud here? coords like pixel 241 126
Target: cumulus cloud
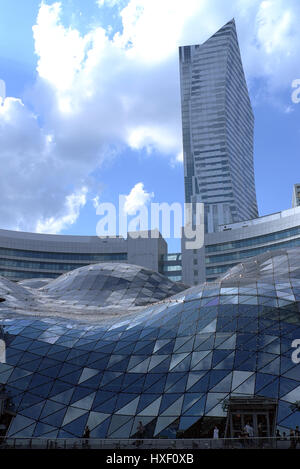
pixel 99 93
pixel 2 91
pixel 73 204
pixel 136 199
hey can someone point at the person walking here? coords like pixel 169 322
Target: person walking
pixel 216 435
pixel 140 433
pixel 297 436
pixel 260 435
pixel 86 436
pixel 248 430
pixel 292 440
pixel 216 432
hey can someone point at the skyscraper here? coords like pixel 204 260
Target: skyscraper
pixel 217 125
pixel 296 195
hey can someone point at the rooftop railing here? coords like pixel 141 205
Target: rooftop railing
pixel 156 444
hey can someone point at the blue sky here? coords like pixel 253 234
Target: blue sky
pixel 92 103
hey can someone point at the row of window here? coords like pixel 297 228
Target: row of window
pixel 168 268
pixel 253 241
pixel 39 265
pixel 220 269
pixel 175 278
pixel 64 255
pixel 236 256
pixel 171 257
pixel 23 275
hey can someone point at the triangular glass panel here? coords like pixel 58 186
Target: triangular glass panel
pixel 247 387
pixel 118 421
pixel 76 427
pixel 86 374
pixel 173 409
pixel 162 423
pixel 34 411
pixel 239 377
pixel 195 408
pixel 152 409
pixel 101 430
pixel 56 418
pixel 124 431
pixel 72 414
pixel 107 406
pixel 86 402
pixel 224 385
pixel 42 429
pixel 19 423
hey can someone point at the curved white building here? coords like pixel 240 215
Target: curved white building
pixel 33 255
pixel 238 242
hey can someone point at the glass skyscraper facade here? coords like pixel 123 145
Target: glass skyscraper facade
pixel 296 196
pixel 217 125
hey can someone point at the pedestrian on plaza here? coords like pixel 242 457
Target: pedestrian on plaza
pixel 86 436
pixel 292 440
pixel 216 432
pixel 297 436
pixel 140 433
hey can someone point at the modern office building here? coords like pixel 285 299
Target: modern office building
pixel 296 195
pixel 217 128
pixel 219 353
pixel 32 255
pixel 171 266
pixel 237 242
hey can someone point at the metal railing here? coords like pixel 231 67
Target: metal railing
pixel 156 444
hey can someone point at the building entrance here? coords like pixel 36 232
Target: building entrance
pixel 259 413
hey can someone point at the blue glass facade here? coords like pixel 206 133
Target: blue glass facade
pixel 169 365
pixel 217 126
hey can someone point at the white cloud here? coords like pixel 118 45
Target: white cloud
pixel 277 42
pixel 109 3
pixel 73 204
pixel 96 202
pixel 96 93
pixel 153 29
pixel 152 137
pixel 136 199
pixel 2 91
pixel 274 26
pixel 61 54
pixel 179 157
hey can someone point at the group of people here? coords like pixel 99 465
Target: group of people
pixel 140 435
pixel 247 432
pixel 245 435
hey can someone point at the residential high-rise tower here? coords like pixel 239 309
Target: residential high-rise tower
pixel 217 124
